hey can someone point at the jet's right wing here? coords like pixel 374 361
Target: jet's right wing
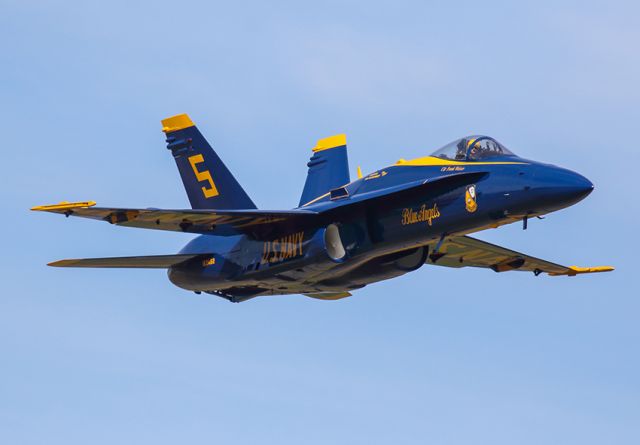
pixel 464 251
pixel 216 222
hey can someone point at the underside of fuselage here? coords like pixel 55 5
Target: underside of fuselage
pixel 314 279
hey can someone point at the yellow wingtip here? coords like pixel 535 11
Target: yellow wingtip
pixel 576 270
pixel 337 140
pixel 59 263
pixel 359 172
pixel 177 122
pixel 63 205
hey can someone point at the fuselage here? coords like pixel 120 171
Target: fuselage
pixel 360 244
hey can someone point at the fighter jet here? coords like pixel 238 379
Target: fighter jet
pixel 343 235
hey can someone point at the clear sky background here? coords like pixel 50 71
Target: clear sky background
pixel 438 356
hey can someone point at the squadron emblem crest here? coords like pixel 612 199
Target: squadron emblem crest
pixel 470 199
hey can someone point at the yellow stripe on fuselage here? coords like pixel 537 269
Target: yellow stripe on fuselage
pixel 433 161
pixel 427 161
pixel 317 199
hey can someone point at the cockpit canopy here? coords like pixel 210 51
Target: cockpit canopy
pixel 472 148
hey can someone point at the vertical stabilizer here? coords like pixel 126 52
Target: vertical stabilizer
pixel 208 182
pixel 328 168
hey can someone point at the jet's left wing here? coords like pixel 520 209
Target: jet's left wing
pixel 218 222
pixel 464 251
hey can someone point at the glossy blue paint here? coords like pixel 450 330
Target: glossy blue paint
pixel 194 158
pixel 395 213
pixel 328 169
pixel 346 236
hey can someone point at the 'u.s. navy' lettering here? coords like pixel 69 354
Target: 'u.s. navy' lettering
pixel 281 249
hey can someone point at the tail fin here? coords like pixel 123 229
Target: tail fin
pixel 328 168
pixel 208 182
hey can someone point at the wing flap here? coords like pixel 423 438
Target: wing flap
pixel 464 251
pixel 134 262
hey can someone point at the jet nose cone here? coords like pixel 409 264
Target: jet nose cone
pixel 570 187
pixel 554 188
pixel 584 185
pixel 576 186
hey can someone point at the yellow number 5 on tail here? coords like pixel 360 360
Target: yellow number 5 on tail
pixel 203 176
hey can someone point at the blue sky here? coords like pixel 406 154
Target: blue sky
pixel 438 356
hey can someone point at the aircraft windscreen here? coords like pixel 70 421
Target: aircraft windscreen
pixel 472 148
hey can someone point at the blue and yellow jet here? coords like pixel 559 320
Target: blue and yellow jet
pixel 344 234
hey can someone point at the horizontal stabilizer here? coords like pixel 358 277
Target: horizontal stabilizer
pixel 135 262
